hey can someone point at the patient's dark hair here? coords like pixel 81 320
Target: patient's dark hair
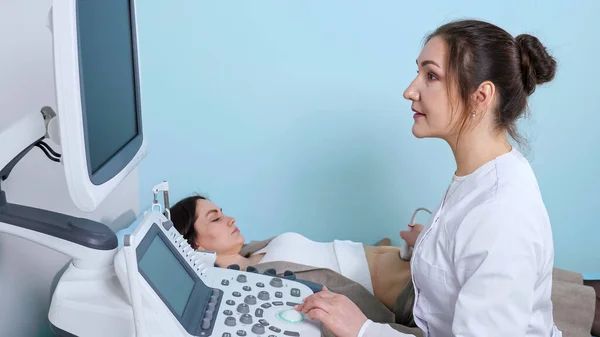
pixel 183 215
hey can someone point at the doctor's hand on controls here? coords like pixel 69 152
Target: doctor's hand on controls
pixel 482 264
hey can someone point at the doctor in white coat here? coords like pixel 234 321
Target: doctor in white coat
pixel 482 267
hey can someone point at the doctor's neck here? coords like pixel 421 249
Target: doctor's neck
pixel 475 148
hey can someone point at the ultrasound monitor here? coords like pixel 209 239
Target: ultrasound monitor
pixel 98 95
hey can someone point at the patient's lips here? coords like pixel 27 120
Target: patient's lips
pixel 235 231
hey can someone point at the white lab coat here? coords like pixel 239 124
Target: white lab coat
pixel 483 264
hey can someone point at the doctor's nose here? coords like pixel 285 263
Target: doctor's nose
pixel 411 93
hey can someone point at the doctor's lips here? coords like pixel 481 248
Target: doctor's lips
pixel 417 113
pixel 237 230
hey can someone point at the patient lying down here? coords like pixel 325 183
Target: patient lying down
pixel 378 268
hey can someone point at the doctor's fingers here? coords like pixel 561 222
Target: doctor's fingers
pixel 410 237
pixel 320 315
pixel 325 293
pixel 316 302
pixel 343 318
pixel 418 228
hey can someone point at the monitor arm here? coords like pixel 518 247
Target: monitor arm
pixel 91 244
pixel 17 138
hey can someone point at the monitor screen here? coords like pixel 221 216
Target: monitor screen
pixel 107 59
pixel 167 275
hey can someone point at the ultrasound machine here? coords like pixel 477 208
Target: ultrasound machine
pixel 153 283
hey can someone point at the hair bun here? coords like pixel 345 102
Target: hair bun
pixel 537 65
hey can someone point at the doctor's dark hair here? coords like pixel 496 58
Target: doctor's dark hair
pixel 479 51
pixel 183 215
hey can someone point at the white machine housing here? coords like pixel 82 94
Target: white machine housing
pixel 104 290
pixel 104 302
pixel 78 32
pixel 86 191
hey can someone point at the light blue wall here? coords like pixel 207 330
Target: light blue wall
pixel 289 114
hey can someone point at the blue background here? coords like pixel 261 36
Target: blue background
pixel 290 115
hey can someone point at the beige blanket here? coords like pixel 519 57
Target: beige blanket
pixel 334 281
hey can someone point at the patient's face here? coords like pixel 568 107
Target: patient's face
pixel 216 232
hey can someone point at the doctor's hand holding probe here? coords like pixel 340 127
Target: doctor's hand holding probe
pixel 482 266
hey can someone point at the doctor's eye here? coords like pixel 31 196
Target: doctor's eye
pixel 431 76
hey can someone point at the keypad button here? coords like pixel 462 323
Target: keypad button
pixel 263 295
pixel 246 319
pixel 206 323
pixel 230 302
pixel 236 294
pixel 266 305
pixel 243 308
pixel 291 333
pixel 277 303
pixel 258 329
pixel 279 294
pixel 276 282
pixel 259 312
pixel 274 329
pixel 241 333
pixel 241 278
pixel 247 288
pixel 295 292
pixel 250 299
pixel 226 334
pixel 292 304
pixel 263 322
pixel 230 321
pixel 227 312
pixel 225 282
pixel 260 285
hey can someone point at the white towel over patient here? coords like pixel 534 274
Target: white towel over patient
pixel 345 257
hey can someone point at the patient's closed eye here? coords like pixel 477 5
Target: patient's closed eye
pixel 214 215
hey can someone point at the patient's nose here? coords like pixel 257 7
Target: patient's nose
pixel 231 221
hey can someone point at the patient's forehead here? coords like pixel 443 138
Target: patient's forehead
pixel 205 208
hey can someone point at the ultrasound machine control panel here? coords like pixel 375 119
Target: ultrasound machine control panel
pixel 180 289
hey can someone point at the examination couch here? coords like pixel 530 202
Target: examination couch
pixel 574 304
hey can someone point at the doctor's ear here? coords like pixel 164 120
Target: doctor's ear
pixel 484 96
